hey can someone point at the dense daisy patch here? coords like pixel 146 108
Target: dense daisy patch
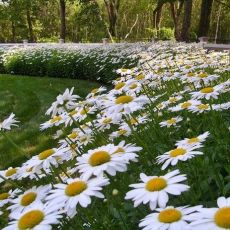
pixel 151 153
pixel 95 62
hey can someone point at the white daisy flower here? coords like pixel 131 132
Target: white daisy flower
pixel 10 173
pixel 119 88
pixel 194 140
pixel 171 122
pixel 85 112
pixel 221 107
pixel 55 121
pixel 122 131
pixel 124 72
pixel 105 122
pixel 207 93
pixel 76 191
pixel 214 218
pixel 173 100
pixel 181 153
pixel 85 139
pixel 199 108
pixel 48 158
pixel 8 122
pixel 126 104
pixel 6 197
pixel 100 160
pixel 133 86
pixel 28 198
pixel 184 105
pixel 38 217
pixel 136 121
pixel 169 218
pixel 154 190
pixel 26 171
pixel 66 99
pixel 96 91
pixel 129 151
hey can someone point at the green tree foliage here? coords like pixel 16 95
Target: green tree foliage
pixel 129 20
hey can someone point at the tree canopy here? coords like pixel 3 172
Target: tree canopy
pixel 119 20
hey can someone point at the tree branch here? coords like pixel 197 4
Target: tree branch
pixel 131 29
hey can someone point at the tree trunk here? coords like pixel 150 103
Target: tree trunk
pixel 63 19
pixel 175 21
pixel 13 31
pixel 157 13
pixel 30 25
pixel 206 8
pixel 186 20
pixel 112 7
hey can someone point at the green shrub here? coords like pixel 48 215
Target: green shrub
pixel 2 68
pixel 97 64
pixel 163 33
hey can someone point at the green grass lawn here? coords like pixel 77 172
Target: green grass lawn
pixel 29 98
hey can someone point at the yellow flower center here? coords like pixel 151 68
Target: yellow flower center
pixel 72 112
pixel 122 132
pixel 222 217
pixel 140 77
pixel 177 152
pixel 73 135
pixel 83 138
pixel 185 105
pixel 124 99
pixel 73 146
pixel 29 169
pixel 159 106
pixel 190 74
pixel 119 85
pixel 107 120
pixel 84 111
pixel 156 184
pixel 124 70
pixel 30 219
pixel 55 119
pixel 203 106
pixel 173 100
pixel 10 172
pixel 207 90
pixel 203 75
pixel 193 140
pixel 94 90
pixel 75 188
pixel 169 216
pixel 133 86
pixel 28 198
pixel 133 121
pixel 171 121
pixel 119 150
pixel 45 154
pixel 99 158
pixel 4 196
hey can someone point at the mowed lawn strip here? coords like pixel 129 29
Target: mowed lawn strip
pixel 29 98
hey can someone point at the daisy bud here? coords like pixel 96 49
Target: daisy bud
pixel 115 192
pixel 160 114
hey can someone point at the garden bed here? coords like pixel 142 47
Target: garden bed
pixel 150 153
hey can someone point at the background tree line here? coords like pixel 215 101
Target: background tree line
pixel 119 20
